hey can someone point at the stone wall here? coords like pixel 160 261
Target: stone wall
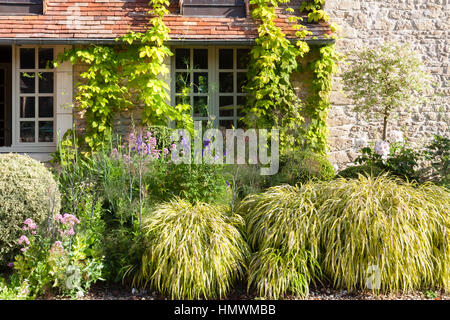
pixel 425 24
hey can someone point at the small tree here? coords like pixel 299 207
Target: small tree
pixel 382 80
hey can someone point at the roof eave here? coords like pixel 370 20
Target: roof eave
pixel 179 41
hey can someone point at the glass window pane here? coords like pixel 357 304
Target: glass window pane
pixel 200 58
pixel 45 131
pixel 241 100
pixel 241 80
pixel 27 58
pixel 45 107
pixel 226 106
pixel 182 81
pixel 45 58
pixel 27 131
pixel 226 82
pixel 182 58
pixel 200 82
pixel 46 82
pixel 243 58
pixel 200 106
pixel 27 107
pixel 226 124
pixel 27 82
pixel 225 58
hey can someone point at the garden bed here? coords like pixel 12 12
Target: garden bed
pixel 103 291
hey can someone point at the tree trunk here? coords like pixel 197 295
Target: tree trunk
pixel 385 123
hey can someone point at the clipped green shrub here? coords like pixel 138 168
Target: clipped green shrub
pixel 367 170
pixel 192 251
pixel 302 167
pixel 27 190
pixel 354 227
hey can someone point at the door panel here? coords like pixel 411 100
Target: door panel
pixel 5 105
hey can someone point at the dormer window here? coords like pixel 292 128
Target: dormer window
pixel 21 7
pixel 213 8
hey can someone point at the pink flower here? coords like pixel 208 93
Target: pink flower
pixel 29 225
pixel 70 232
pixel 57 247
pixel 173 146
pixel 58 217
pixel 165 151
pixel 114 154
pixel 24 249
pixel 11 264
pixel 23 239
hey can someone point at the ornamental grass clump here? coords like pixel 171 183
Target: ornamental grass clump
pixel 192 251
pixel 398 230
pixel 281 232
pixel 372 233
pixel 27 190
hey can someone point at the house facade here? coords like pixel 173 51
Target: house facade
pixel 212 38
pixel 38 103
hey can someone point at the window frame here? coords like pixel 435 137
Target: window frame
pixel 213 81
pixel 17 119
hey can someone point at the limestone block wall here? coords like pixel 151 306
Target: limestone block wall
pixel 425 24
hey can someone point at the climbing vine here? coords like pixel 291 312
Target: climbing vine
pixel 119 77
pixel 318 102
pixel 273 101
pixel 315 10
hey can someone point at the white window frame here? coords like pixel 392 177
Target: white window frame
pixel 36 95
pixel 213 81
pixel 62 103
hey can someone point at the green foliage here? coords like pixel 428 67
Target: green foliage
pixel 286 255
pixel 314 10
pixel 353 172
pixel 119 77
pixel 303 166
pixel 438 153
pixel 193 182
pixel 385 79
pixel 55 260
pixel 398 227
pixel 193 251
pixel 27 190
pixel 275 273
pixel 349 225
pixel 402 161
pixel 318 102
pixel 14 289
pixel 430 164
pixel 272 102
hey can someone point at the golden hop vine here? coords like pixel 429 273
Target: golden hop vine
pixel 273 101
pixel 318 103
pixel 119 77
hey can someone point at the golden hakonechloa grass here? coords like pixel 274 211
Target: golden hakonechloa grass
pixel 398 230
pixel 192 251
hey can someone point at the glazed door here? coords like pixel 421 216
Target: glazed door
pixel 5 104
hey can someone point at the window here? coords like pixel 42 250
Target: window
pixel 210 80
pixel 35 112
pixel 221 8
pixel 21 7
